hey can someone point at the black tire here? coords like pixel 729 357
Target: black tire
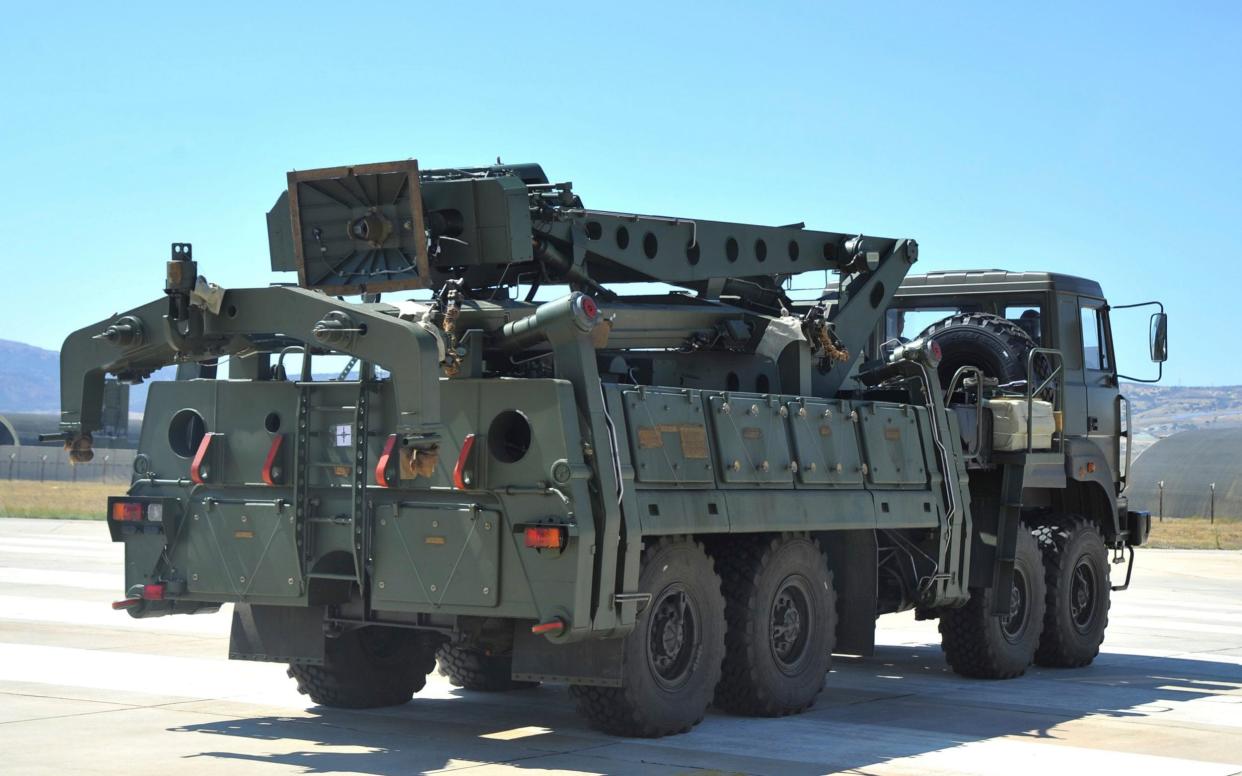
pixel 473 669
pixel 980 645
pixel 996 345
pixel 367 668
pixel 671 660
pixel 780 607
pixel 1076 575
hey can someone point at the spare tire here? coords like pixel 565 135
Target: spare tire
pixel 997 346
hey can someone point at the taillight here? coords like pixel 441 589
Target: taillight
pixel 463 478
pixel 153 592
pixel 546 537
pixel 127 511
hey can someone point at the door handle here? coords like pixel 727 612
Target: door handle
pixel 1093 423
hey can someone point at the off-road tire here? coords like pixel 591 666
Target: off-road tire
pixel 681 577
pixel 763 577
pixel 367 668
pixel 472 669
pixel 996 345
pixel 980 645
pixel 1076 575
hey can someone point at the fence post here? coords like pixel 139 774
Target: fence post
pixel 104 476
pixel 42 467
pixel 1161 486
pixel 12 463
pixel 1212 519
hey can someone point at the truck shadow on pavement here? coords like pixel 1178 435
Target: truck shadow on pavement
pixel 902 702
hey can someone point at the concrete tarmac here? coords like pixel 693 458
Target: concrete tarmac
pixel 84 689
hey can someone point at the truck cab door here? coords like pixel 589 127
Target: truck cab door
pixel 1099 374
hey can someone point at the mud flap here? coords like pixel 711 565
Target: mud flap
pixel 277 634
pixel 535 659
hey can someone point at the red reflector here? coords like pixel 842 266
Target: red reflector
pixel 153 592
pixel 127 511
pixel 589 307
pixel 126 603
pixel 271 472
pixel 385 460
pixel 461 477
pixel 545 537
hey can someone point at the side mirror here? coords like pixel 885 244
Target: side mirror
pixel 1159 341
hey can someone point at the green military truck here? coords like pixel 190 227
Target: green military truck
pixel 610 450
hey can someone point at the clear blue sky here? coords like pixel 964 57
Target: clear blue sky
pixel 1098 139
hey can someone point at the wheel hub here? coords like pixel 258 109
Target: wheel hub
pixel 1082 595
pixel 673 637
pixel 790 624
pixel 1013 624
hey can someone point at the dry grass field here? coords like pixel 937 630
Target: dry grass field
pixel 1196 533
pixel 69 500
pixel 87 501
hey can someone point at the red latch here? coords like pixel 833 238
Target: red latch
pixel 271 471
pixel 461 477
pixel 199 468
pixel 383 471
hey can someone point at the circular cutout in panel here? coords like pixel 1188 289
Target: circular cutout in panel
pixel 272 422
pixel 185 432
pixel 509 436
pixel 731 249
pixel 651 246
pixel 761 250
pixel 692 254
pixel 793 250
pixel 593 230
pixel 623 237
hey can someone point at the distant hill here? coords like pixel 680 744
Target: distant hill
pixel 30 380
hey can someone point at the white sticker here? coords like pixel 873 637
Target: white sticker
pixel 344 435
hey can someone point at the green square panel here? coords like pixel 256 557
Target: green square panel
pixel 752 444
pixel 893 446
pixel 427 556
pixel 668 437
pixel 825 443
pixel 235 550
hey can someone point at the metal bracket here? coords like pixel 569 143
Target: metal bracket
pixel 1129 568
pixel 642 599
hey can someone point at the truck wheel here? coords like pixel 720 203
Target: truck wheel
pixel 780 607
pixel 1076 573
pixel 671 660
pixel 980 645
pixel 368 667
pixel 995 345
pixel 472 669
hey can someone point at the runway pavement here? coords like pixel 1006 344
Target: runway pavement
pixel 84 689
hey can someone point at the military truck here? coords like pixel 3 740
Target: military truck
pixel 610 450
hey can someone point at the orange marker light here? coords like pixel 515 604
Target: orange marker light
pixel 545 537
pixel 127 511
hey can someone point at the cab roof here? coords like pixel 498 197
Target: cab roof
pixel 992 281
